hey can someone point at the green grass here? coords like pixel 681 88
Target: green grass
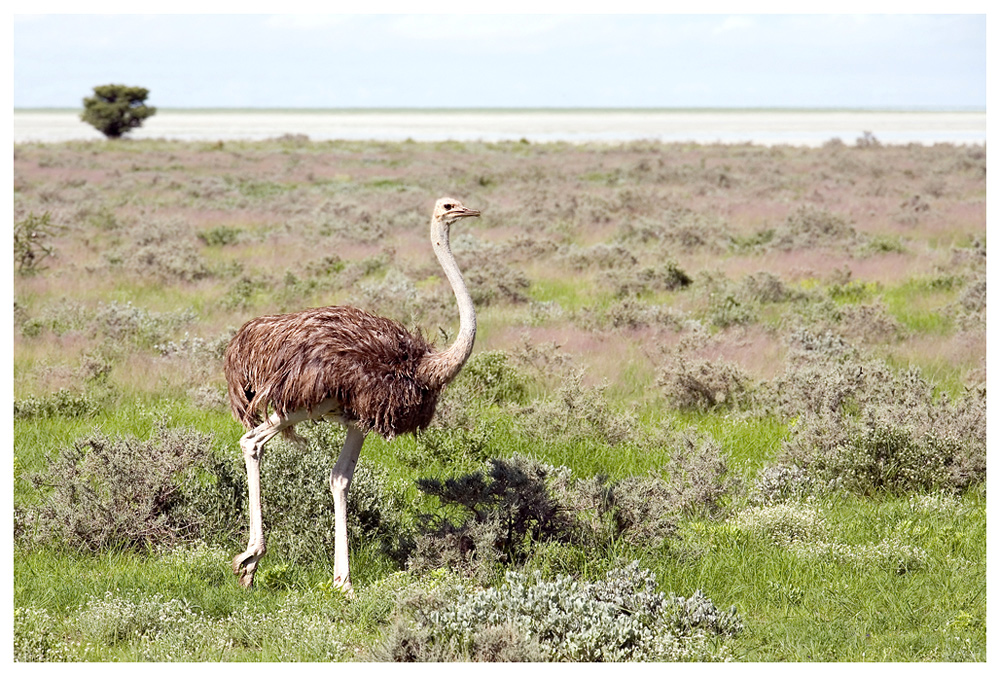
pixel 571 294
pixel 802 609
pixel 918 304
pixel 795 608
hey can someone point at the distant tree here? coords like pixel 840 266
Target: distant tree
pixel 115 110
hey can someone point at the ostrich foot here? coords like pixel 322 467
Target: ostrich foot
pixel 344 586
pixel 245 565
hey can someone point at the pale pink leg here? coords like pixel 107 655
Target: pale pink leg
pixel 340 482
pixel 252 443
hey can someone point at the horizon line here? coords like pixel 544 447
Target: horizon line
pixel 518 109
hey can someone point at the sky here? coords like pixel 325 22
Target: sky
pixel 506 60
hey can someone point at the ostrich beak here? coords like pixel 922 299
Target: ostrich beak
pixel 462 212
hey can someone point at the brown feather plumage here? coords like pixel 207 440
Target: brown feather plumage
pixel 296 361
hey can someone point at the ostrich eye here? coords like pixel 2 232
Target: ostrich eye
pixel 449 207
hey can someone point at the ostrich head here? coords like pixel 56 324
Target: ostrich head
pixel 447 210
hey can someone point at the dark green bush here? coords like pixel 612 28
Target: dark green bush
pixel 114 110
pixel 220 236
pixel 490 518
pixel 491 378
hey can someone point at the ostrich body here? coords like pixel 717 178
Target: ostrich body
pixel 343 364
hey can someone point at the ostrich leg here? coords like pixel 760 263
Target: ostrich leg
pixel 340 481
pixel 252 443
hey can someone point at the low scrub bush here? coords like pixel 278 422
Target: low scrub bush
pixel 491 377
pixel 629 281
pixel 503 515
pixel 970 309
pixel 783 523
pixel 489 277
pixel 888 554
pixel 162 250
pixel 35 637
pixel 620 618
pixel 123 492
pixel 861 426
pixel 576 412
pixel 298 505
pixel 222 235
pixel 802 529
pixel 699 384
pixel 33 242
pixel 764 287
pixel 119 323
pixel 153 628
pixel 778 483
pixel 395 296
pixel 677 227
pixel 809 227
pixel 63 402
pixel 599 256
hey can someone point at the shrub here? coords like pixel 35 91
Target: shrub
pixel 809 227
pixel 677 227
pixel 124 492
pixel 462 443
pixel 394 296
pixel 488 276
pixel 222 235
pixel 63 402
pixel 35 638
pixel 121 323
pixel 888 554
pixel 576 413
pixel 115 110
pixel 862 427
pixel 704 385
pixel 970 308
pixel 698 475
pixel 600 256
pixel 32 242
pixel 196 361
pixel 727 309
pixel 764 287
pixel 778 483
pixel 298 506
pixel 490 377
pixel 500 514
pixel 630 281
pixel 161 248
pixel 620 618
pixel 783 523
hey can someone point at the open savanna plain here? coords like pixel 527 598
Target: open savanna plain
pixel 727 402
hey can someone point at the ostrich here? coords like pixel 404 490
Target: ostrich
pixel 343 364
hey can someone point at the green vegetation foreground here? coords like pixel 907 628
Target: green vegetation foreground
pixel 726 402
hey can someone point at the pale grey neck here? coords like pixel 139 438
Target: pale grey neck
pixel 444 366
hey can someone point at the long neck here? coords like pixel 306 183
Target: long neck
pixel 441 368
